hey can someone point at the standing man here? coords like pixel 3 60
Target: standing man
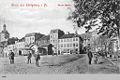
pixel 90 56
pixel 89 53
pixel 29 57
pixel 37 58
pixel 11 57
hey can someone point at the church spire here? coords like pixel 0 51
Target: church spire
pixel 4 27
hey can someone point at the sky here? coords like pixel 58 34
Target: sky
pixel 27 19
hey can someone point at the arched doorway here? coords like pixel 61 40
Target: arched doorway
pixel 20 52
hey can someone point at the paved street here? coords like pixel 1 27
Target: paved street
pixel 75 66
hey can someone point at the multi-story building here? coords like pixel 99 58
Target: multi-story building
pixel 4 34
pixel 55 34
pixel 8 48
pixel 20 46
pixel 70 43
pixel 31 38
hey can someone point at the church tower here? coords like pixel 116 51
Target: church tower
pixel 4 34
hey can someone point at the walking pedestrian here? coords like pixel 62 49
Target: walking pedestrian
pixel 37 58
pixel 29 57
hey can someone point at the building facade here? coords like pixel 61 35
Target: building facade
pixel 32 37
pixel 8 48
pixel 43 43
pixel 70 43
pixel 20 46
pixel 55 34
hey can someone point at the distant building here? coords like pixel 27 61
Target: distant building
pixel 8 48
pixel 20 46
pixel 70 43
pixel 43 43
pixel 4 34
pixel 86 38
pixel 30 38
pixel 90 38
pixel 55 34
pixel 12 40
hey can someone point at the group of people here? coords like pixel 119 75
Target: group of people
pixel 29 56
pixel 37 58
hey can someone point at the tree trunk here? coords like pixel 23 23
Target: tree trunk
pixel 118 49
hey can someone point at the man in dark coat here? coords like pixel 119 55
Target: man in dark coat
pixel 37 58
pixel 11 57
pixel 90 56
pixel 29 57
pixel 89 53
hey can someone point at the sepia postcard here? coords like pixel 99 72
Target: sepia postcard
pixel 60 37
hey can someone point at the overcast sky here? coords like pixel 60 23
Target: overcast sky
pixel 22 20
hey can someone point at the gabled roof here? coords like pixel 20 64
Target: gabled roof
pixel 33 34
pixel 30 34
pixel 22 39
pixel 70 35
pixel 67 36
pixel 44 38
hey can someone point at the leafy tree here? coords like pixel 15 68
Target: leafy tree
pixel 103 42
pixel 107 11
pixel 12 40
pixel 88 11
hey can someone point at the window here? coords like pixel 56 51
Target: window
pixel 73 44
pixel 76 44
pixel 67 45
pixel 51 36
pixel 61 45
pixel 67 40
pixel 59 40
pixel 76 39
pixel 51 40
pixel 70 40
pixel 76 49
pixel 64 45
pixel 32 38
